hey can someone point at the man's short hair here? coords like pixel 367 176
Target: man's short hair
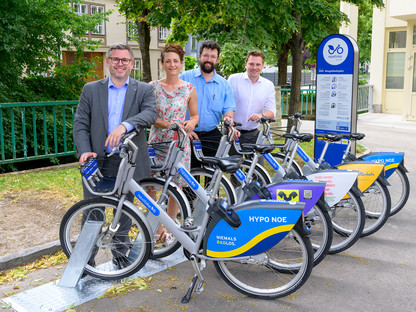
pixel 255 53
pixel 209 44
pixel 120 46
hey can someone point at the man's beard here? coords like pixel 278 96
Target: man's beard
pixel 207 70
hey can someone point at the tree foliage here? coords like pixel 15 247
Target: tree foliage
pixel 33 34
pixel 364 33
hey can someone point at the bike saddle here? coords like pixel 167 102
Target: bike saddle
pixel 303 137
pixel 332 137
pixel 262 148
pixel 226 164
pixel 355 136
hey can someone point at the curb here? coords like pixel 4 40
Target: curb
pixel 31 254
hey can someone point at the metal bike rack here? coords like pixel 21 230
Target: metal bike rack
pixel 79 257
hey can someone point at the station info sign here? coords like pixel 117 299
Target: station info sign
pixel 336 93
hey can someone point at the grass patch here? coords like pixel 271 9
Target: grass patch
pixel 62 182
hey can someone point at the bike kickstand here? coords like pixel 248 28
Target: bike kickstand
pixel 187 297
pixel 198 275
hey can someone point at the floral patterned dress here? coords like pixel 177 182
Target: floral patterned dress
pixel 171 106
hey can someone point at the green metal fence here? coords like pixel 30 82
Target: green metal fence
pixel 307 101
pixel 30 131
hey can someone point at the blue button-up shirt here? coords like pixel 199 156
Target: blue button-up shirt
pixel 116 98
pixel 214 98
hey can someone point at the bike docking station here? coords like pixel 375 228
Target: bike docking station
pixel 336 94
pixel 72 290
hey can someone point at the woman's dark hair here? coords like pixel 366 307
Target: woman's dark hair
pixel 209 44
pixel 172 48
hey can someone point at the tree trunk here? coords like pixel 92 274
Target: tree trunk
pixel 297 49
pixel 282 65
pixel 143 30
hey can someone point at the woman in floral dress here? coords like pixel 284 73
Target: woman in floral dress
pixel 173 98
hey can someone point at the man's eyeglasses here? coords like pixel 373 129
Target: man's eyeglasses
pixel 115 60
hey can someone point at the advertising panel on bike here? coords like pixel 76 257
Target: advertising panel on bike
pixel 336 93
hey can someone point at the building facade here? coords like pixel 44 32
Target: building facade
pixel 393 58
pixel 115 30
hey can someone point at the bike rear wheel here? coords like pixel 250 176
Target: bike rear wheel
pixel 348 217
pixel 172 195
pixel 377 204
pixel 399 190
pixel 288 266
pixel 130 245
pixel 319 223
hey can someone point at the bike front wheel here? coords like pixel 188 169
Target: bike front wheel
pixel 114 255
pixel 285 268
pixel 171 201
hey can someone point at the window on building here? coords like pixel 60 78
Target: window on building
pixel 99 29
pixel 80 8
pixel 131 30
pixel 193 43
pixel 395 70
pixel 414 34
pixel 163 33
pixel 397 39
pixel 136 71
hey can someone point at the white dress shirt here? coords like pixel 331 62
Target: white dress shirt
pixel 251 98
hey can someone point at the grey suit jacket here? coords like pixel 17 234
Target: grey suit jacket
pixel 91 119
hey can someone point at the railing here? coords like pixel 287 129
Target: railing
pixel 365 98
pixel 307 101
pixel 30 131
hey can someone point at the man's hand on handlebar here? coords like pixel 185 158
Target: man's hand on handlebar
pixel 85 156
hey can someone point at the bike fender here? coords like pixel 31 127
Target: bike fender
pixel 338 183
pixel 138 212
pixel 390 160
pixel 263 224
pixel 368 172
pixel 401 166
pixel 307 192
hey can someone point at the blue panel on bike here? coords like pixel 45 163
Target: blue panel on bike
pixel 89 169
pixel 307 192
pixel 271 161
pixel 302 154
pixel 151 151
pixel 390 160
pixel 263 224
pixel 188 178
pixel 147 203
pixel 240 175
pixel 197 144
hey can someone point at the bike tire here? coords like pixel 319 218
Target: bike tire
pixel 399 190
pixel 295 167
pixel 100 265
pixel 377 205
pixel 289 265
pixel 163 250
pixel 318 221
pixel 204 176
pixel 348 219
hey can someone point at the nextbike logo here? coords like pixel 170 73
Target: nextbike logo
pixel 287 195
pixel 188 178
pixel 365 174
pixel 152 208
pixel 335 51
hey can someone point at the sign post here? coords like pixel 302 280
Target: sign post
pixel 336 93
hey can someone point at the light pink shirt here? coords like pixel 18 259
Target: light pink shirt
pixel 251 98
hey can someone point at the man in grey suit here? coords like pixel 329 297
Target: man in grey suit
pixel 107 109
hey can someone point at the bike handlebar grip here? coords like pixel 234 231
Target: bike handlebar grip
pixel 174 127
pixel 131 134
pixel 227 123
pixel 237 124
pixel 298 116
